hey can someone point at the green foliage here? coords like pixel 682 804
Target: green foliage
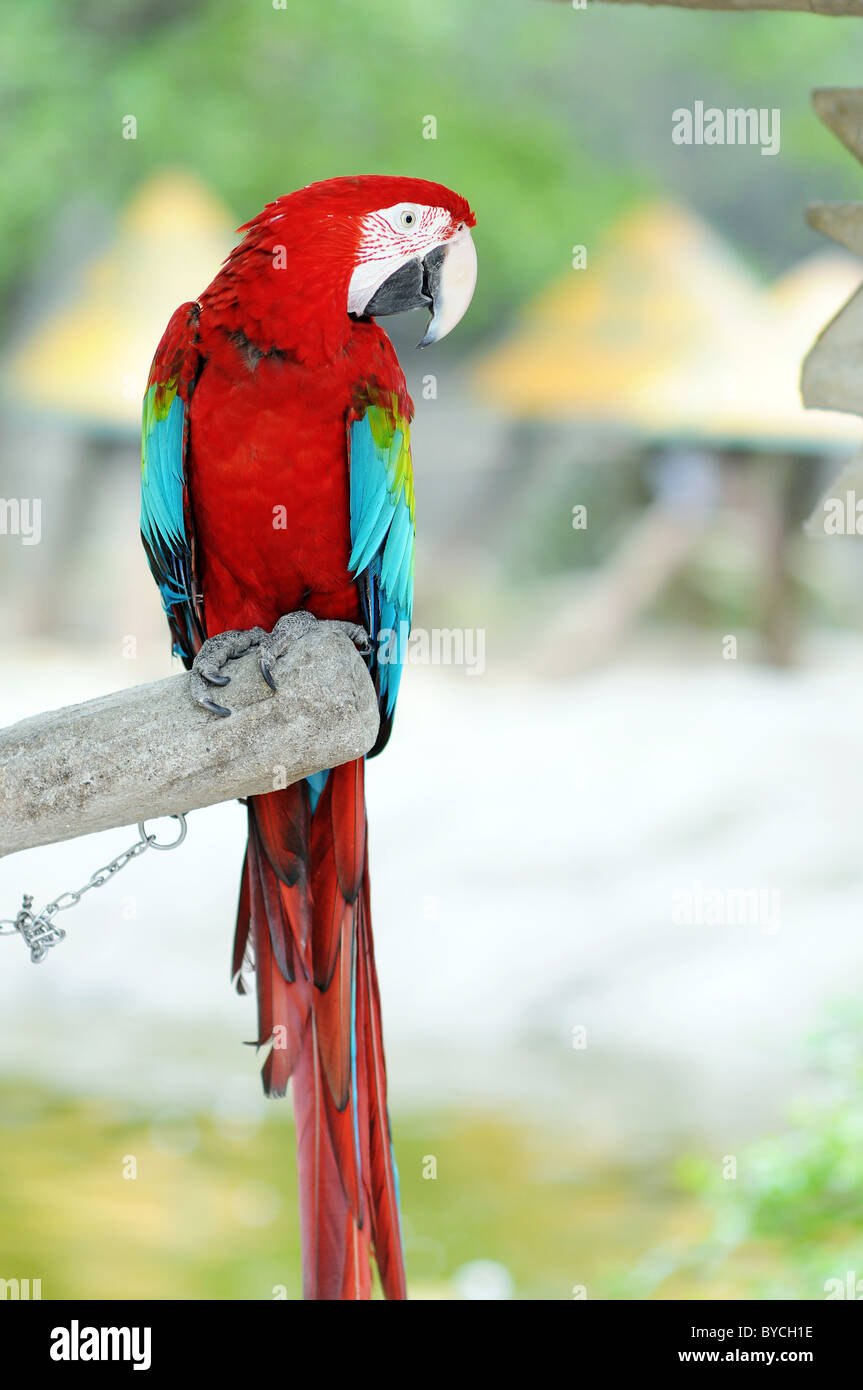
pixel 792 1217
pixel 258 100
pixel 550 119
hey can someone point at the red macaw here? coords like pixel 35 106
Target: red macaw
pixel 277 394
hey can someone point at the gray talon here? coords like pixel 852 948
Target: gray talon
pixel 355 633
pixel 267 674
pixel 215 709
pixel 208 666
pixel 360 638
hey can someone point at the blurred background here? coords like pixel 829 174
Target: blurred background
pixel 625 1090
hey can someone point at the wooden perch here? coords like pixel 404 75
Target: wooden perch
pixel 150 751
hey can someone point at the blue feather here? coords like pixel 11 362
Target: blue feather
pixel 382 540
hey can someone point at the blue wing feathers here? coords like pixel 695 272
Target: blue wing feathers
pixel 162 521
pixel 382 541
pixel 164 441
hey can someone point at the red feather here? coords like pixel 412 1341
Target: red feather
pixel 241 960
pixel 284 1006
pixel 348 1198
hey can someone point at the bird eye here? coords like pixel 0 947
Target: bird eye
pixel 408 218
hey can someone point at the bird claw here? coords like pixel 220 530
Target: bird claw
pixel 266 672
pixel 212 656
pixel 216 652
pixel 211 705
pixel 359 637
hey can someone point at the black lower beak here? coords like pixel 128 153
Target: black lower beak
pixel 413 286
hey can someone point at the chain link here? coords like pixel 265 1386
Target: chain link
pixel 39 930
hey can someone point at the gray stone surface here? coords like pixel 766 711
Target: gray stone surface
pixel 150 751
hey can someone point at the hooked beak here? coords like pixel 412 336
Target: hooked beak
pixel 443 282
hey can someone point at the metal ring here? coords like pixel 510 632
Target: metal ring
pixel 151 839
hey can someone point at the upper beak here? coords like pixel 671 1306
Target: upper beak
pixel 443 281
pixel 450 272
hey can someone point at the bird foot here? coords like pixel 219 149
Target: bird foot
pixel 214 654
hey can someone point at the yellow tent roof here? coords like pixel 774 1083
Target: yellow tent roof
pixel 597 342
pixel 668 333
pixel 90 358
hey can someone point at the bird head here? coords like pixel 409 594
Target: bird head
pixel 415 253
pixel 354 249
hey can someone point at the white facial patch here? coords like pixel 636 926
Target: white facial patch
pixel 390 237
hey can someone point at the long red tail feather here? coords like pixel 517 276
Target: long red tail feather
pixel 304 922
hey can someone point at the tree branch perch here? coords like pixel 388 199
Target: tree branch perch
pixel 150 751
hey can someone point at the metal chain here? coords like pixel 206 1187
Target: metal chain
pixel 39 930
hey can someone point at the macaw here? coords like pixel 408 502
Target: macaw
pixel 277 393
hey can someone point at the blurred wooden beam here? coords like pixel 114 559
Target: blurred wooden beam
pixel 832 375
pixel 841 110
pixel 825 7
pixel 842 222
